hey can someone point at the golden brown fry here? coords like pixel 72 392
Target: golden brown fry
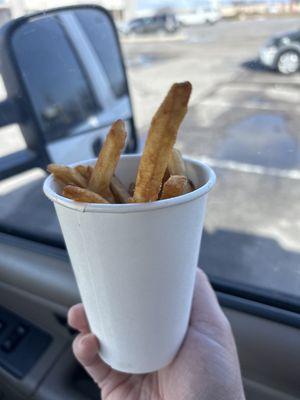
pixel 67 175
pixel 89 171
pixel 82 195
pixel 108 159
pixel 85 171
pixel 175 186
pixel 131 189
pixel 160 141
pixel 119 190
pixel 176 164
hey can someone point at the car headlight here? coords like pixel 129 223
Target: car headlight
pixel 285 40
pixel 268 54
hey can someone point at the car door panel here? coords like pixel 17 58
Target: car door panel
pixel 37 282
pixel 37 312
pixel 45 274
pixel 269 354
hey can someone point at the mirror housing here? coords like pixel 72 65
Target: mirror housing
pixel 52 127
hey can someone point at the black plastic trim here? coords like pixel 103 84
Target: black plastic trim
pixel 15 163
pixel 266 296
pixel 260 310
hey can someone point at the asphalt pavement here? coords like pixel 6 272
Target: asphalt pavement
pixel 244 121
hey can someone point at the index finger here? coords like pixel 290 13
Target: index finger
pixel 77 318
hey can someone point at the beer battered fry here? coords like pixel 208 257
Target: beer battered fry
pixel 176 164
pixel 119 190
pixel 175 186
pixel 85 171
pixel 82 195
pixel 67 175
pixel 160 142
pixel 108 159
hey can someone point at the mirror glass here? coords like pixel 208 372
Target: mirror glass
pixel 72 68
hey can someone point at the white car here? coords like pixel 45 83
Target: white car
pixel 199 16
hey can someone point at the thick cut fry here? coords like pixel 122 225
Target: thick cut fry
pixel 85 171
pixel 119 191
pixel 67 175
pixel 160 141
pixel 107 160
pixel 175 186
pixel 82 195
pixel 176 164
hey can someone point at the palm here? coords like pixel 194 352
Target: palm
pixel 169 383
pixel 206 366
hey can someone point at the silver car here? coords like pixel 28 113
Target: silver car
pixel 282 53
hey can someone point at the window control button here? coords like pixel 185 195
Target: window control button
pixel 8 345
pixel 21 331
pixel 11 342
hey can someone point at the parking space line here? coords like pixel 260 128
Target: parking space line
pixel 245 106
pixel 250 168
pixel 153 39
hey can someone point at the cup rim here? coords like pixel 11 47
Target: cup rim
pixel 131 207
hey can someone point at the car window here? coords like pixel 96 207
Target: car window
pixel 243 121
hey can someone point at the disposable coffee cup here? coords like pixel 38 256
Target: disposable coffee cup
pixel 135 266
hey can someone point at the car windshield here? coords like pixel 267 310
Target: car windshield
pixel 243 121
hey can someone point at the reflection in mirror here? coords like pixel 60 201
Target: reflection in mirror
pixel 72 68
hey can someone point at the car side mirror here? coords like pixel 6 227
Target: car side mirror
pixel 66 83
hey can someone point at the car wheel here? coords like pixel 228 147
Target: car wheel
pixel 288 62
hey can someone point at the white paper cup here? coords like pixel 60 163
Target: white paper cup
pixel 135 267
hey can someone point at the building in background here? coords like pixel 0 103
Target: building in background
pixel 121 9
pixel 128 9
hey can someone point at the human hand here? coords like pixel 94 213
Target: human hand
pixel 205 368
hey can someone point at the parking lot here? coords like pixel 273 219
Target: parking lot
pixel 243 121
